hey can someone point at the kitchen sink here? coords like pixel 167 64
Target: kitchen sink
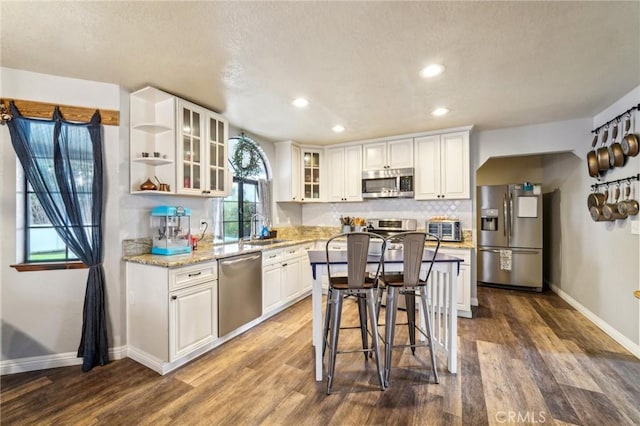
pixel 267 242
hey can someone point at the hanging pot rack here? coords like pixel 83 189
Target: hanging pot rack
pixel 616 118
pixel 612 182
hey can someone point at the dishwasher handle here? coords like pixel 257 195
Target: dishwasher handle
pixel 241 259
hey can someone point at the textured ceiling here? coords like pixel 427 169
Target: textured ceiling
pixel 358 63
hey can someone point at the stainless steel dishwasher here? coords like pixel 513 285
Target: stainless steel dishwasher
pixel 239 291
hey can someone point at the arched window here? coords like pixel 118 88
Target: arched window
pixel 245 210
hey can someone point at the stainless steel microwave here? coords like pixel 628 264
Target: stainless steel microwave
pixel 388 183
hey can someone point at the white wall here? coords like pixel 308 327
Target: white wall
pixel 598 261
pixel 41 312
pixel 500 171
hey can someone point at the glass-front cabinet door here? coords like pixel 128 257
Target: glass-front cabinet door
pixel 216 144
pixel 191 148
pixel 311 175
pixel 202 156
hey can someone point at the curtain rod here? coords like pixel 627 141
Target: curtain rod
pixel 36 109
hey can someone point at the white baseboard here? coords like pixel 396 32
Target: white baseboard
pixel 22 365
pixel 627 343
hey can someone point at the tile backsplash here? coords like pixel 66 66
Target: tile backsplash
pixel 328 214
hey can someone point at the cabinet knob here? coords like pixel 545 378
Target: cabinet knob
pixel 174 297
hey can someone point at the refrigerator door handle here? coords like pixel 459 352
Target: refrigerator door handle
pixel 517 251
pixel 522 251
pixel 511 214
pixel 504 213
pixel 490 250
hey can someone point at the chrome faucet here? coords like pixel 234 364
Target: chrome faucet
pixel 254 218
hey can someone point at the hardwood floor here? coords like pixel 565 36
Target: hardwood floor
pixel 523 358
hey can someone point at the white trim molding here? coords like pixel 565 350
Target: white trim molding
pixel 22 365
pixel 623 340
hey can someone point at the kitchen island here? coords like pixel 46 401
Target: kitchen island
pixel 442 290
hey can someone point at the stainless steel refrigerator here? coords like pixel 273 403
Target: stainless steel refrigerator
pixel 510 235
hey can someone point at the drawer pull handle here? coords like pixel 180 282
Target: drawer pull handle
pixel 195 274
pixel 174 297
pixel 284 264
pixel 272 256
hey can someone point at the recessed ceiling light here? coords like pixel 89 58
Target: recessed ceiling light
pixel 300 102
pixel 338 128
pixel 439 111
pixel 431 70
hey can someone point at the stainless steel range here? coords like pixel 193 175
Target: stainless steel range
pixel 387 227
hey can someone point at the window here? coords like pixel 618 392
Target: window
pixel 42 243
pixel 250 173
pixel 41 240
pixel 239 207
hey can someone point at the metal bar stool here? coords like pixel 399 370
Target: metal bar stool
pixel 355 283
pixel 407 282
pixel 362 306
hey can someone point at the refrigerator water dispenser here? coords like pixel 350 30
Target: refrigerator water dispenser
pixel 489 220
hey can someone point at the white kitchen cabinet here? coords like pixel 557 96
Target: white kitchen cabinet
pixel 290 279
pixel 286 277
pixel 344 173
pixel 271 280
pixel 152 144
pixel 194 321
pixel 287 172
pixel 464 279
pixel 172 314
pixel 442 166
pixel 395 154
pixel 201 151
pixel 306 280
pixel 184 145
pixel 298 175
pixel 311 174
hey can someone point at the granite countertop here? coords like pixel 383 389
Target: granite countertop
pixel 465 244
pixel 207 253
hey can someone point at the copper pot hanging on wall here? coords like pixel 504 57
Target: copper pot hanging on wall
pixel 629 141
pixel 592 159
pixel 602 153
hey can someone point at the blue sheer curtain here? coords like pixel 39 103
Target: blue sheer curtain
pixel 63 163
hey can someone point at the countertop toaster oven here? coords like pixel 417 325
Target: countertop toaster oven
pixel 446 229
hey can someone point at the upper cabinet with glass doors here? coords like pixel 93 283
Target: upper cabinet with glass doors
pixel 202 159
pixel 310 175
pixel 298 175
pixel 177 143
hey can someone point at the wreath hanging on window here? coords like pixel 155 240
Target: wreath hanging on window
pixel 246 160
